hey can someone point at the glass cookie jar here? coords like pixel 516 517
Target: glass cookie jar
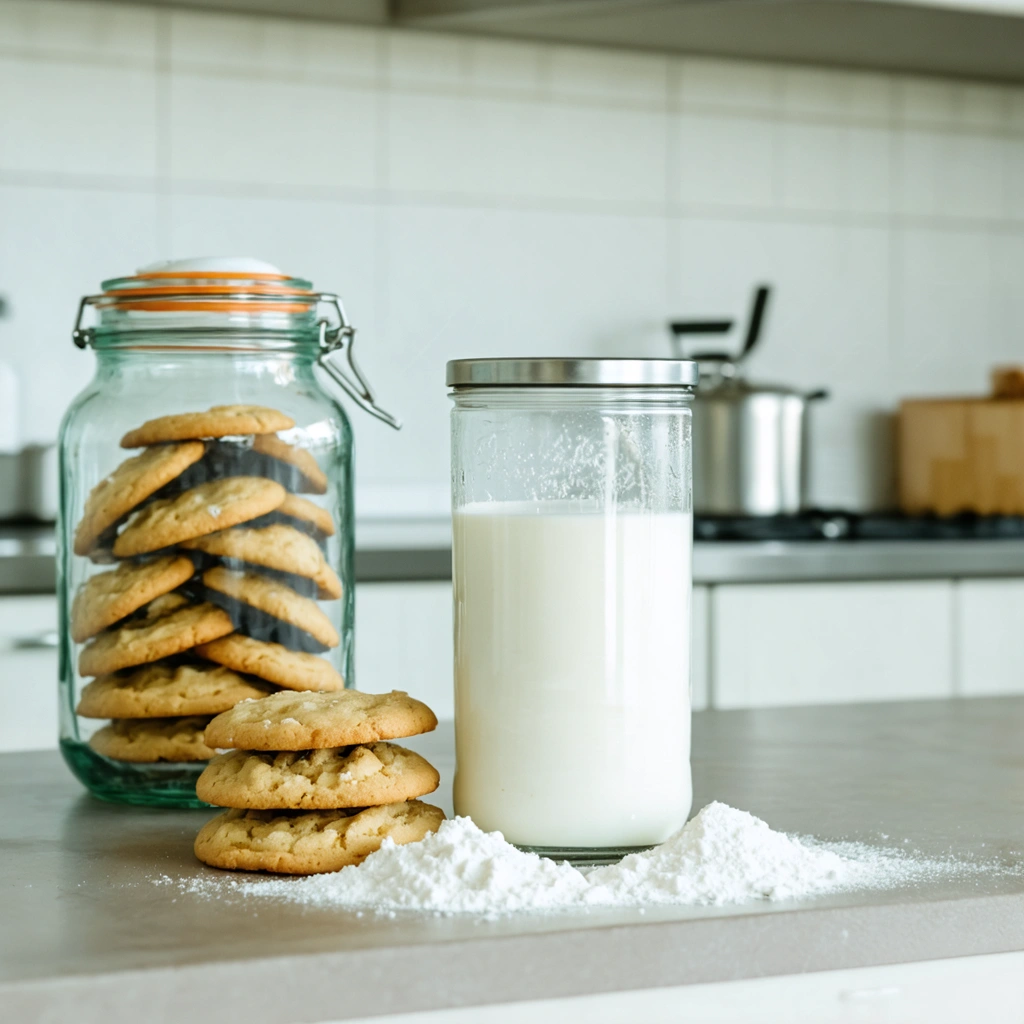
pixel 206 517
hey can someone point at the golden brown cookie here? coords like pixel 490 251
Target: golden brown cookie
pixel 277 547
pixel 360 776
pixel 109 596
pixel 147 639
pixel 303 460
pixel 147 740
pixel 295 670
pixel 307 512
pixel 309 842
pixel 274 599
pixel 212 506
pixel 218 421
pixel 305 721
pixel 162 689
pixel 131 483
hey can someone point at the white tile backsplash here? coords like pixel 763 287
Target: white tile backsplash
pixel 268 132
pixel 480 196
pixel 55 246
pixel 728 85
pixel 85 31
pixel 77 118
pixel 726 161
pixel 272 48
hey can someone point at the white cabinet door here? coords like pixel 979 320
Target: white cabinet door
pixel 28 672
pixel 404 641
pixel 699 648
pixel 990 633
pixel 830 643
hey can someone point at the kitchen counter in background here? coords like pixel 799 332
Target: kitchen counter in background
pixel 419 549
pixel 88 934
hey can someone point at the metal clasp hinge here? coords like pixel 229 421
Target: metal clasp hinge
pixel 341 338
pixel 83 336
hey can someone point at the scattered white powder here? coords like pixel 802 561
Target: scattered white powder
pixel 214 510
pixel 722 856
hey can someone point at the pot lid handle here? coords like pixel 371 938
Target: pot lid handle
pixel 680 328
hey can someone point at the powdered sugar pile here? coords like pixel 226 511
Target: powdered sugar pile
pixel 722 856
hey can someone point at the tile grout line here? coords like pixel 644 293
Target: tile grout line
pixel 162 113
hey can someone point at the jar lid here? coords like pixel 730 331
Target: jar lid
pixel 572 373
pixel 223 303
pixel 210 285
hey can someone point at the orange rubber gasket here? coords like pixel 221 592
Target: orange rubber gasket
pixel 211 306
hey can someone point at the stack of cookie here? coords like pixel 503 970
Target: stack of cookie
pixel 315 787
pixel 213 597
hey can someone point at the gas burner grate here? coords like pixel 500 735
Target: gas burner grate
pixel 837 525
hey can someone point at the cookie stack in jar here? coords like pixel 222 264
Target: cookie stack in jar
pixel 209 548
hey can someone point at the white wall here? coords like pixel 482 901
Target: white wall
pixel 473 197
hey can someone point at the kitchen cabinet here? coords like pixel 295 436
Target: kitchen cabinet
pixel 972 38
pixel 404 631
pixel 990 641
pixel 699 653
pixel 830 643
pixel 404 641
pixel 28 672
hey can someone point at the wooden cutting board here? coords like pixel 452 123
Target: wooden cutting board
pixel 962 454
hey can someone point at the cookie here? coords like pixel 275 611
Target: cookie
pixel 295 670
pixel 108 597
pixel 245 590
pixel 314 477
pixel 360 776
pixel 278 547
pixel 131 483
pixel 306 512
pixel 306 721
pixel 149 638
pixel 147 740
pixel 205 509
pixel 162 689
pixel 218 421
pixel 309 842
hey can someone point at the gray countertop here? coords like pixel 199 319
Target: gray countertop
pixel 85 934
pixel 396 550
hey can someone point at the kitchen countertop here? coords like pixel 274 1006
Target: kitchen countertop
pixel 420 549
pixel 87 935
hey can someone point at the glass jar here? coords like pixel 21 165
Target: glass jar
pixel 205 536
pixel 572 539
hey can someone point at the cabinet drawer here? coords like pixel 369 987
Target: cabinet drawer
pixel 990 651
pixel 404 641
pixel 824 643
pixel 699 635
pixel 28 672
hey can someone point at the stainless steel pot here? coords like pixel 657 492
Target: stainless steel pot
pixel 750 441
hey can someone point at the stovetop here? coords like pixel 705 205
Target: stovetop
pixel 838 525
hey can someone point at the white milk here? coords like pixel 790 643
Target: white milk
pixel 572 653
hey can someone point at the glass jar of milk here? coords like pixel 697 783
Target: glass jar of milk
pixel 572 541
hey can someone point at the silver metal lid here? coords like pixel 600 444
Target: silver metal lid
pixel 572 373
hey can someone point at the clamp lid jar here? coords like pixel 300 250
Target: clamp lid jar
pixel 206 521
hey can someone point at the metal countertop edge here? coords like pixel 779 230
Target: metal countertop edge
pixel 548 965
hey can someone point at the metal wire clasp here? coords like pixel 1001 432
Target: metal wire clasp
pixel 341 338
pixel 83 336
